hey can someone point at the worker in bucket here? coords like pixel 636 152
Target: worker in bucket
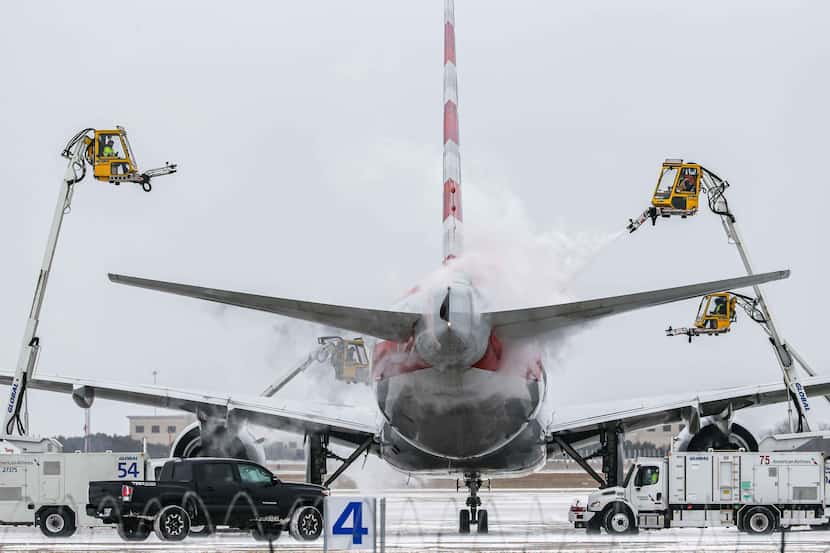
pixel 688 184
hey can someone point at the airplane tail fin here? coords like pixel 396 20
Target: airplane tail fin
pixel 452 159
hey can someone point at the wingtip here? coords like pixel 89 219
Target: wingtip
pixel 113 277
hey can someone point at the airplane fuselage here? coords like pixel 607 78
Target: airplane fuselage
pixel 456 398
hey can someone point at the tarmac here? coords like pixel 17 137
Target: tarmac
pixel 426 520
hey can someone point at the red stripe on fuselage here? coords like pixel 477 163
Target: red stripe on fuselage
pixel 495 360
pixel 394 359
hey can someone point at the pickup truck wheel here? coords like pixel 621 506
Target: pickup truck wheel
pixel 134 529
pixel 172 524
pixel 594 524
pixel 306 523
pixel 759 520
pixel 57 522
pixel 203 531
pixel 617 519
pixel 266 532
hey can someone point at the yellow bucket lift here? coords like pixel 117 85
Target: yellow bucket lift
pixel 677 193
pixel 112 159
pixel 716 314
pixel 348 358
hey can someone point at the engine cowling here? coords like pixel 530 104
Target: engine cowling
pixel 712 436
pixel 215 439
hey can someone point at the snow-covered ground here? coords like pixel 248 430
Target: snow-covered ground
pixel 520 520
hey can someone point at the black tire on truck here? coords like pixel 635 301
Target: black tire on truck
pixel 57 522
pixel 759 520
pixel 134 529
pixel 306 523
pixel 197 515
pixel 617 519
pixel 172 524
pixel 266 532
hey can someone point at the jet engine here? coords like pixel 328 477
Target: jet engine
pixel 715 434
pixel 215 438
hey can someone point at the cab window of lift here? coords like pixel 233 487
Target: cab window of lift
pixel 647 476
pixel 717 307
pixel 109 146
pixel 687 183
pixel 666 183
pixel 355 355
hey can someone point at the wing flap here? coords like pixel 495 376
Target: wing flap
pixel 522 323
pixel 386 325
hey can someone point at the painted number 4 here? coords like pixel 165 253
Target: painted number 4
pixel 353 510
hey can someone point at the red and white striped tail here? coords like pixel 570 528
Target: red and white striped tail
pixel 452 159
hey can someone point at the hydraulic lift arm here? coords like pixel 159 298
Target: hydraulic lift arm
pixel 80 151
pixel 348 359
pixel 716 188
pixel 677 193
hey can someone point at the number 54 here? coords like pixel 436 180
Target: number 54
pixel 124 470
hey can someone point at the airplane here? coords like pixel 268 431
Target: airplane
pixel 459 389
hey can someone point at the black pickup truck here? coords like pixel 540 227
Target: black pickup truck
pixel 206 493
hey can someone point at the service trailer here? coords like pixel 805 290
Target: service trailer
pixel 49 490
pixel 755 492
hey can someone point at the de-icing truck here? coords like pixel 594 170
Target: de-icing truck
pixel 755 492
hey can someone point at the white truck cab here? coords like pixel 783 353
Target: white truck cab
pixel 755 492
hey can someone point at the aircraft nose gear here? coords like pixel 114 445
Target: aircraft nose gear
pixel 473 515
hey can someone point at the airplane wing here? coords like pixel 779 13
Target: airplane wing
pixel 523 323
pixel 578 422
pixel 344 423
pixel 386 325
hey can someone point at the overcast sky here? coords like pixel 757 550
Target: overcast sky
pixel 308 136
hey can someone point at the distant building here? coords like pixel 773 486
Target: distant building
pixel 159 429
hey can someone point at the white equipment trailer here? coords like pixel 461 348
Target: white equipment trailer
pixel 755 492
pixel 50 490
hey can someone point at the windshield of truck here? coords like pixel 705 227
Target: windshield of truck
pixel 628 474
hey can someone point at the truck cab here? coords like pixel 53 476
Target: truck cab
pixel 641 501
pixel 755 492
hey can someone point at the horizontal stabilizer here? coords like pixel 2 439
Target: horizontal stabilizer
pixel 532 321
pixel 387 325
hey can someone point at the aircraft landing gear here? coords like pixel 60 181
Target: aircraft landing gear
pixel 473 515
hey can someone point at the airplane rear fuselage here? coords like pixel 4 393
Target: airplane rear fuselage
pixel 454 396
